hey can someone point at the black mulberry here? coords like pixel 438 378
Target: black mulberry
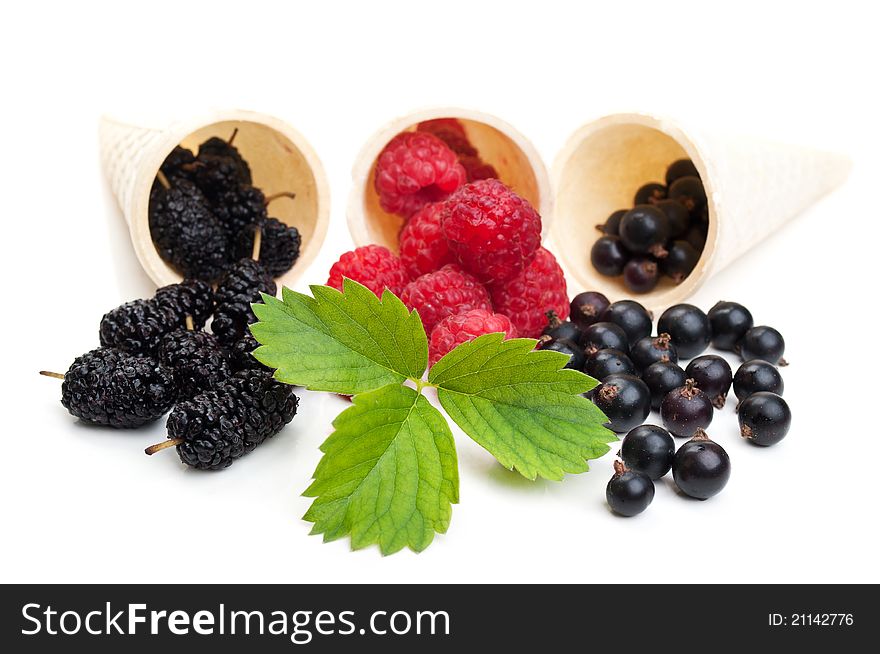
pixel 215 174
pixel 242 357
pixel 186 233
pixel 217 147
pixel 239 288
pixel 137 327
pixel 214 428
pixel 191 297
pixel 175 163
pixel 112 388
pixel 198 361
pixel 237 207
pixel 279 245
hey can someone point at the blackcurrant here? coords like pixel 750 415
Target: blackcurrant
pixel 604 336
pixel 701 467
pixel 611 226
pixel 685 410
pixel 556 328
pixel 680 168
pixel 696 236
pixel 630 316
pixel 609 256
pixel 660 378
pixel 648 449
pixel 679 217
pixel 680 260
pixel 650 193
pixel 730 321
pixel 641 274
pixel 764 418
pixel 755 376
pixel 649 350
pixel 625 401
pixel 586 308
pixel 689 328
pixel 629 492
pixel 689 191
pixel 576 356
pixel 712 375
pixel 603 363
pixel 644 229
pixel 763 343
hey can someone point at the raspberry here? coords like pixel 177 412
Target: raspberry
pixel 526 298
pixel 414 169
pixel 451 132
pixel 492 231
pixel 374 266
pixel 460 328
pixel 423 247
pixel 446 292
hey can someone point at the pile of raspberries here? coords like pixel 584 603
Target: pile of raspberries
pixel 471 261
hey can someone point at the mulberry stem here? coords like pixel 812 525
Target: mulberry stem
pixel 232 138
pixel 163 180
pixel 158 447
pixel 48 373
pixel 275 196
pixel 190 326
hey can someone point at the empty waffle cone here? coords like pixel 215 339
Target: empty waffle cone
pixel 279 157
pixel 498 143
pixel 752 186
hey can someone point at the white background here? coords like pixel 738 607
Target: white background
pixel 85 504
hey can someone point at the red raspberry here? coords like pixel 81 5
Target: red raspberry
pixel 476 169
pixel 448 291
pixel 493 232
pixel 451 132
pixel 374 266
pixel 460 328
pixel 531 294
pixel 414 169
pixel 423 247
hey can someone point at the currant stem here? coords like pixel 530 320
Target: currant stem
pixel 164 445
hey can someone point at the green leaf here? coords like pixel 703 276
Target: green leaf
pixel 347 342
pixel 522 406
pixel 389 473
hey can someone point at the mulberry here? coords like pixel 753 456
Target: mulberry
pixel 137 327
pixel 238 207
pixel 279 245
pixel 186 233
pixel 215 428
pixel 241 354
pixel 215 174
pixel 115 389
pixel 191 297
pixel 176 162
pixel 198 361
pixel 239 288
pixel 217 147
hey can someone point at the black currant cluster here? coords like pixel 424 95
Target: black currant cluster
pixel 639 372
pixel 205 213
pixel 155 356
pixel 663 234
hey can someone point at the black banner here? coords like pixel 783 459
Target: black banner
pixel 431 618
